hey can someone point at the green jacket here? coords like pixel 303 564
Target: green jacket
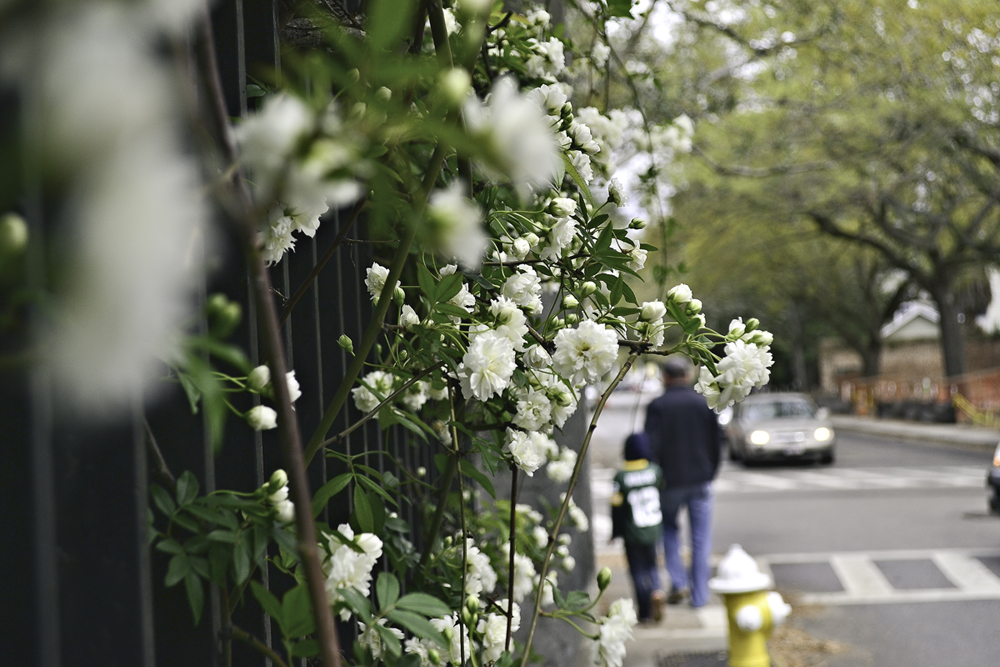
pixel 635 503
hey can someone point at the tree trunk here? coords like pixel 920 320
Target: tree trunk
pixel 870 358
pixel 952 342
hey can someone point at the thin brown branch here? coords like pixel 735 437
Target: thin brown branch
pixel 159 468
pixel 274 355
pixel 241 635
pixel 510 563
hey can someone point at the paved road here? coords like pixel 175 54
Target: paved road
pixel 889 552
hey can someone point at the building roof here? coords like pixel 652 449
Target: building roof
pixel 913 321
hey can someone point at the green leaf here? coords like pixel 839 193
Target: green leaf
pixel 620 8
pixel 616 291
pixel 187 488
pixel 448 287
pixel 208 514
pixel 218 562
pixel 195 595
pixel 577 600
pixel 389 640
pixel 358 603
pixel 253 90
pixel 200 566
pixel 226 536
pixel 604 240
pixel 268 602
pixel 170 546
pixel 162 499
pixel 387 589
pixel 193 395
pixel 575 175
pixel 388 21
pixel 449 309
pixel 178 568
pixel 363 510
pixel 285 540
pixel 296 609
pixel 425 604
pixel 307 648
pixel 416 624
pixel 241 558
pixel 469 469
pixel 427 283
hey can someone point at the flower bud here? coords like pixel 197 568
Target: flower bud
pixel 278 479
pixel 603 578
pixel 693 307
pixel 570 301
pixel 448 633
pixel 562 207
pixel 615 194
pixel 762 338
pixel 736 329
pixel 558 323
pixel 469 618
pixel 421 472
pixel 383 94
pixel 569 563
pixel 652 311
pixel 572 318
pixel 637 223
pixel 346 343
pixel 353 75
pixel 13 235
pixel 454 86
pixel 532 239
pixel 261 418
pixel 398 295
pixel 434 656
pixel 259 378
pixel 588 288
pixel 680 294
pixel 520 248
pixel 472 603
pixel 223 314
pixel 752 324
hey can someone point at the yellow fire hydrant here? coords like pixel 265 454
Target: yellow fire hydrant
pixel 753 611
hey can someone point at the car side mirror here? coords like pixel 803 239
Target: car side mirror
pixel 823 413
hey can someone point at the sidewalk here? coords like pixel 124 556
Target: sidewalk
pixel 689 637
pixel 962 435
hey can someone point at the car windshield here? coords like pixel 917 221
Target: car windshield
pixel 779 409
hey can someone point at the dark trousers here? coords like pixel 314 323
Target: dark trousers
pixel 645 578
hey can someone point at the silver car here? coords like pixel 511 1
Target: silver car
pixel 774 426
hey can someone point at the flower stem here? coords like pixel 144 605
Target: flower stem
pixel 510 572
pixel 569 495
pixel 241 635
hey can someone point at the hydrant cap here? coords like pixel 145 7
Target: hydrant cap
pixel 738 573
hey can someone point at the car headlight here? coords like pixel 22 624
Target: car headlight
pixel 822 434
pixel 996 456
pixel 760 437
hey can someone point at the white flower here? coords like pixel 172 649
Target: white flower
pixel 520 248
pixel 525 289
pixel 615 630
pixel 541 537
pixel 524 573
pixel 456 224
pixel 286 511
pixel 551 97
pixel 480 578
pixel 562 207
pixel 294 392
pixel 548 594
pixel 599 54
pixel 487 366
pixel 493 628
pixel 536 357
pixel 581 162
pixel 564 399
pixel 561 469
pixel 568 563
pixel 415 397
pixel 375 387
pixel 736 329
pixel 576 515
pixel 346 568
pixel 262 418
pixel 267 138
pixel 534 410
pixel 369 638
pixel 528 512
pixel 744 368
pixel 652 310
pixel 680 294
pixel 375 280
pixel 655 332
pixel 449 625
pixel 517 135
pixel 560 237
pixel 637 258
pixel 259 378
pixel 616 193
pixel 420 648
pixel 527 449
pixel 511 322
pixel 586 353
pixel 408 317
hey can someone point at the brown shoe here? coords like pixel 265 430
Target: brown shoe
pixel 656 600
pixel 678 595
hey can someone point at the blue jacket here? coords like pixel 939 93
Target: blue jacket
pixel 685 437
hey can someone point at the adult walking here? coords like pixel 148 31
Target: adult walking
pixel 687 443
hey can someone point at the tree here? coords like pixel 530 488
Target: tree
pixel 881 129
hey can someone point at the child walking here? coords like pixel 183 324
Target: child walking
pixel 636 517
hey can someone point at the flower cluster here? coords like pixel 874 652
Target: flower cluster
pixel 743 368
pixel 346 568
pixel 277 496
pixel 614 630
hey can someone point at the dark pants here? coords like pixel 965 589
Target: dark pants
pixel 645 578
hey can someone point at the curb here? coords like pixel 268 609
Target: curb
pixel 960 435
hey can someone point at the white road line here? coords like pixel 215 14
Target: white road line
pixel 898 597
pixel 967 573
pixel 860 577
pixel 761 480
pixel 823 480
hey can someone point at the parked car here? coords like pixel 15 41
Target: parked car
pixel 781 425
pixel 993 481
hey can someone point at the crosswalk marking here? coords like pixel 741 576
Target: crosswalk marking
pixel 864 583
pixel 733 480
